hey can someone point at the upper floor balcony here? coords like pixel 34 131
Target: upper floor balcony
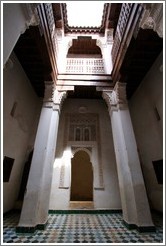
pixel 111 47
pixel 84 66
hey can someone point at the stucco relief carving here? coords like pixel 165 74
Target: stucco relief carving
pixel 52 97
pixel 92 146
pixel 110 98
pixel 62 177
pixel 59 97
pixel 75 149
pixel 82 127
pixel 153 17
pixel 31 16
pixel 110 36
pixel 120 92
pixel 59 34
pixel 116 98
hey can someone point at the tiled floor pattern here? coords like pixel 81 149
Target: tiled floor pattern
pixel 81 228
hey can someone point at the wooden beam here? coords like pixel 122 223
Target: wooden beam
pixel 81 83
pixel 84 77
pixel 64 88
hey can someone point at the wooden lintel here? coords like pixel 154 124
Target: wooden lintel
pixel 104 88
pixel 85 77
pixel 82 83
pixel 65 88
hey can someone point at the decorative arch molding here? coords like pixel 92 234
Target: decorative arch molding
pixel 92 147
pixel 88 150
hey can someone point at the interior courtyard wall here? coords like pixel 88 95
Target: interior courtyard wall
pixel 16 19
pixel 146 107
pixel 21 109
pixel 107 196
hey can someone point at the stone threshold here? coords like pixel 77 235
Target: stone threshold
pixel 81 205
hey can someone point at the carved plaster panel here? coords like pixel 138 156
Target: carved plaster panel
pixel 92 145
pixel 62 177
pixel 120 90
pixel 52 97
pixel 110 36
pixel 110 98
pixel 59 96
pixel 31 15
pixel 88 149
pixel 116 98
pixel 153 17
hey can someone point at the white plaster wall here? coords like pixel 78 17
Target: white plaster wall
pixel 14 23
pixel 148 130
pixel 109 197
pixel 18 131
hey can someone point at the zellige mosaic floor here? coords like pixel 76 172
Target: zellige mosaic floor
pixel 81 228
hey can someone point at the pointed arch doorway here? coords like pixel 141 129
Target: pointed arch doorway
pixel 81 180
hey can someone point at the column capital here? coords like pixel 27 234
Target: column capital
pixel 31 15
pixel 109 97
pixel 152 17
pixel 116 98
pixel 53 98
pixel 120 91
pixel 58 98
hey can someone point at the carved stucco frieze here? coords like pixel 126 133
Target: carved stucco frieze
pixel 93 148
pixel 31 15
pixel 59 34
pixel 62 177
pixel 120 92
pixel 58 99
pixel 110 99
pixel 109 34
pixel 153 17
pixel 75 149
pixel 52 97
pixel 116 98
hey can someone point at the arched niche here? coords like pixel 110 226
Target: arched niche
pixel 81 177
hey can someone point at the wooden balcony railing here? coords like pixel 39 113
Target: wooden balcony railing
pixel 85 66
pixel 128 22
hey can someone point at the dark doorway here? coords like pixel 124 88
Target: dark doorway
pixel 81 177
